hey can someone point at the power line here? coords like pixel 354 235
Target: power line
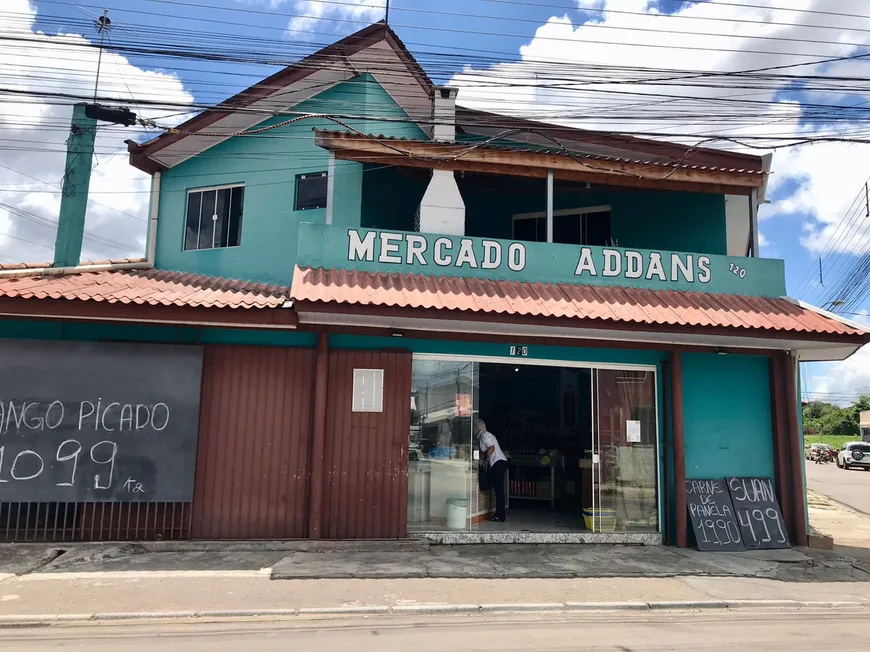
pixel 57 185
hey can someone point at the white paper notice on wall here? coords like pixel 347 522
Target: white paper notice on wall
pixel 632 432
pixel 368 390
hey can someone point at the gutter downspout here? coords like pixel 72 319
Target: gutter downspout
pixel 148 263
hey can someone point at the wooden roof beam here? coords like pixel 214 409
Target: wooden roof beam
pixel 463 157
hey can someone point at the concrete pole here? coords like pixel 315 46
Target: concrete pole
pixel 76 180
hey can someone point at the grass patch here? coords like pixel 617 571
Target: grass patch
pixel 834 441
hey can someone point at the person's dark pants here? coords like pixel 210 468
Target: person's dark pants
pixel 495 477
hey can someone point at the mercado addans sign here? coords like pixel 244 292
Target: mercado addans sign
pixel 428 254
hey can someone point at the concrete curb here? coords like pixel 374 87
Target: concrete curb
pixel 432 609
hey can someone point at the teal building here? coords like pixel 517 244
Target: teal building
pixel 377 276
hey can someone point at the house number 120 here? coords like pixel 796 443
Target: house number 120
pixel 737 270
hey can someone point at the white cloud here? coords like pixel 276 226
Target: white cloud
pixel 310 12
pixel 763 241
pixel 33 134
pixel 827 175
pixel 840 383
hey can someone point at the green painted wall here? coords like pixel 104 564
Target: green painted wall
pixel 268 164
pixel 73 331
pixel 444 347
pixel 727 417
pixel 645 219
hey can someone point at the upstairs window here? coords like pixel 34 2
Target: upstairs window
pixel 214 217
pixel 587 226
pixel 310 191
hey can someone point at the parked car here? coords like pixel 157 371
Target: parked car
pixel 854 454
pixel 812 452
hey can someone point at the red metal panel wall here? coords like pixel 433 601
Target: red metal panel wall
pixel 254 433
pixel 366 454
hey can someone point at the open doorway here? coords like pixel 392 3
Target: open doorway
pixel 542 418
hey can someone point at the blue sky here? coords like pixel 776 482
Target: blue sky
pixel 811 188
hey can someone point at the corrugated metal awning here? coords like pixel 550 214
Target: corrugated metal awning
pixel 584 305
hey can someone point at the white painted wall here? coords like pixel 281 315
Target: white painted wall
pixel 737 224
pixel 442 209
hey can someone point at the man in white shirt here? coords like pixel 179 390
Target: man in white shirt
pixel 497 466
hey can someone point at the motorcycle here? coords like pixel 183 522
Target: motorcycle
pixel 825 456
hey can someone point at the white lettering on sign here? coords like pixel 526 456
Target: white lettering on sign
pixel 442 259
pixel 444 252
pixel 390 248
pixel 585 265
pixel 466 254
pixel 655 267
pixel 360 248
pixel 517 257
pixel 114 417
pixel 417 246
pixel 612 263
pixel 419 249
pixel 491 255
pixel 704 269
pixel 633 265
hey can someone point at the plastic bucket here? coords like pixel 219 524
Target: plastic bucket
pixel 457 513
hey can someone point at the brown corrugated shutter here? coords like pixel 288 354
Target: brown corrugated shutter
pixel 252 459
pixel 366 454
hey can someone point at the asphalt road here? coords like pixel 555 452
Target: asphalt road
pixel 850 487
pixel 626 631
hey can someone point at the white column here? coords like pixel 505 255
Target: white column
pixel 549 205
pixel 330 187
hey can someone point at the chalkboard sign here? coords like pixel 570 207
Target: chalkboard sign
pixel 712 515
pixel 89 421
pixel 758 513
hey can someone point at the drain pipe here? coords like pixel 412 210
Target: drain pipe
pixel 142 263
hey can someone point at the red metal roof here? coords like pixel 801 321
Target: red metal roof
pixel 565 151
pixel 147 287
pixel 605 303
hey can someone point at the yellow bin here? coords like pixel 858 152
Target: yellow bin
pixel 604 519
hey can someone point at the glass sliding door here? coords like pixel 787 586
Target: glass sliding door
pixel 625 460
pixel 444 395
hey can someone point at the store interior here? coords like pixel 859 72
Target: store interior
pixel 545 418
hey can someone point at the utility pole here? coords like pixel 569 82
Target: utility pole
pixel 102 25
pixel 387 13
pixel 79 161
pixel 74 196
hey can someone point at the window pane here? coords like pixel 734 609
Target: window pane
pixel 234 230
pixel 191 229
pixel 311 191
pixel 222 210
pixel 598 229
pixel 440 471
pixel 568 229
pixel 206 223
pixel 530 229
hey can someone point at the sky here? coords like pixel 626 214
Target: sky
pixel 816 203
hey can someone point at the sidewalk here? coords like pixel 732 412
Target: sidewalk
pixel 212 580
